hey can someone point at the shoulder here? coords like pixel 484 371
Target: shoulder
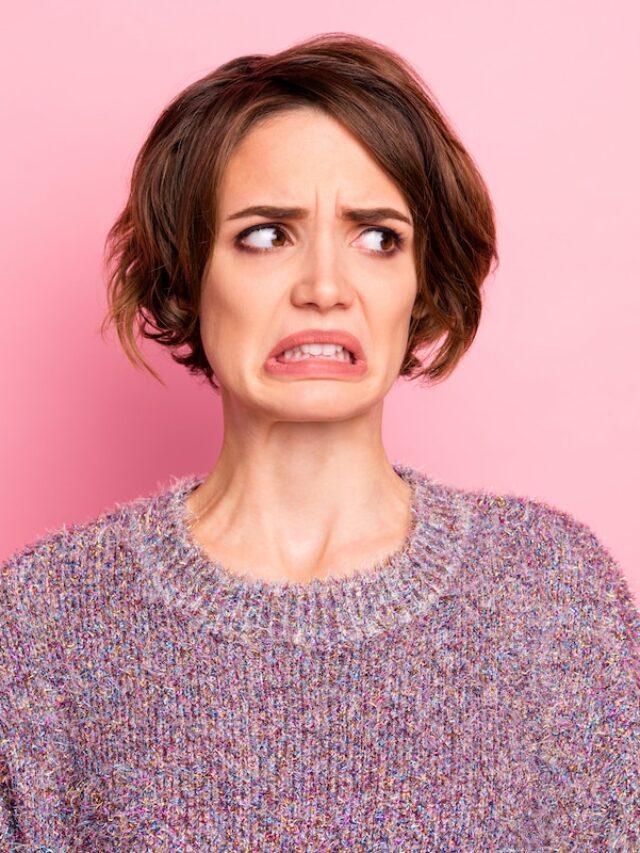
pixel 524 520
pixel 52 588
pixel 510 523
pixel 71 557
pixel 63 547
pixel 560 558
pixel 536 542
pixel 536 527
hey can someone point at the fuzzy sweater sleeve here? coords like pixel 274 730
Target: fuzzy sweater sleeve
pixel 12 671
pixel 8 837
pixel 30 766
pixel 590 692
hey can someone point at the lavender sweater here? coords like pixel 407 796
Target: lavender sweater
pixel 479 690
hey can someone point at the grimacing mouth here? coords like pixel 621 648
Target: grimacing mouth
pixel 352 357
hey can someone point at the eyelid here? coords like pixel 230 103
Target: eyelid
pixel 258 227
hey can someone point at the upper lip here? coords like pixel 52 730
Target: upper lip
pixel 320 336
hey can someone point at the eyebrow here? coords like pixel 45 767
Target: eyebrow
pixel 360 214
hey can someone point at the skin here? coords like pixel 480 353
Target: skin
pixel 302 487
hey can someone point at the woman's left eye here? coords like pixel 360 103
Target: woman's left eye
pixel 390 239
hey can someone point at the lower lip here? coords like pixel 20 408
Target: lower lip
pixel 315 367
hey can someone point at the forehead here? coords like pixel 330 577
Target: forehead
pixel 300 155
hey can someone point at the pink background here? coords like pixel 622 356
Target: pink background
pixel 546 402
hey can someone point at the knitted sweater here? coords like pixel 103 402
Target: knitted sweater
pixel 478 690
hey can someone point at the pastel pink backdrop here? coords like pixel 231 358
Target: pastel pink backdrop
pixel 545 403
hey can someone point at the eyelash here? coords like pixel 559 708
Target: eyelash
pixel 398 238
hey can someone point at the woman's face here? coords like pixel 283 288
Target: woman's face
pixel 270 276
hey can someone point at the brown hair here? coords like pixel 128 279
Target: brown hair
pixel 157 249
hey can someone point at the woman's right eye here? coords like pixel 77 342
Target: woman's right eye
pixel 261 238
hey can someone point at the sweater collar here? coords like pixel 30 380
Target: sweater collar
pixel 176 572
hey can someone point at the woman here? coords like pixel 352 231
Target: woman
pixel 312 648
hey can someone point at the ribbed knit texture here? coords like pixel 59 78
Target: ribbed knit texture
pixel 479 690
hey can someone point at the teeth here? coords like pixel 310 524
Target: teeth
pixel 335 351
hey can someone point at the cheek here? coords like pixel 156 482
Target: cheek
pixel 231 325
pixel 217 319
pixel 396 299
pixel 221 305
pixel 397 312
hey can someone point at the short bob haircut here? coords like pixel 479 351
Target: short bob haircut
pixel 157 250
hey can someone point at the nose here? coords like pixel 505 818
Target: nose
pixel 322 279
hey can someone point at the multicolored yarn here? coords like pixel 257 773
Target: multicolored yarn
pixel 478 690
